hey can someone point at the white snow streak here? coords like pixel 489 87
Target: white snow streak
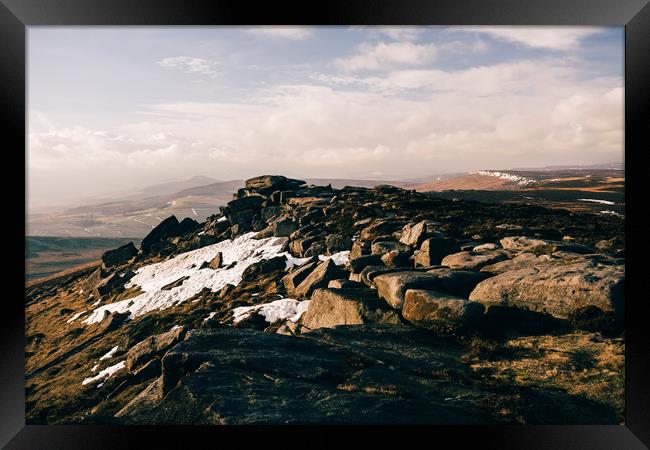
pixel 106 373
pixel 75 317
pixel 283 309
pixel 595 200
pixel 506 176
pixel 110 353
pixel 339 258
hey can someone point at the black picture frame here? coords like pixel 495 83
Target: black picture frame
pixel 16 15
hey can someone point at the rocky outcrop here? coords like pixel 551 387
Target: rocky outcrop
pixel 369 345
pixel 541 246
pixel 165 229
pixel 392 287
pixel 415 234
pixel 434 249
pixel 473 260
pixel 120 255
pixel 520 261
pixel 443 314
pixel 332 307
pixel 152 347
pixel 295 277
pixel 557 289
pixel 318 278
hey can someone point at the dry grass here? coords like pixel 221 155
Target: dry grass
pixel 582 364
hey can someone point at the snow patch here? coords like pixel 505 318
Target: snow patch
pixel 595 200
pixel 339 258
pixel 75 317
pixel 243 250
pixel 210 316
pixel 613 213
pixel 110 353
pixel 106 373
pixel 523 181
pixel 283 309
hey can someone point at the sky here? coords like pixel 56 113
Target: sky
pixel 119 108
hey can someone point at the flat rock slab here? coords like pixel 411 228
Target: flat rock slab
pixel 520 261
pixel 558 290
pixel 366 374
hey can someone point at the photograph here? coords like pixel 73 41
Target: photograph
pixel 325 225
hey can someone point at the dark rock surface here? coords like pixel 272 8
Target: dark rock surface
pixel 395 374
pixel 120 255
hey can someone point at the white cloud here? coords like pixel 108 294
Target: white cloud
pixel 525 113
pixel 475 47
pixel 282 32
pixel 407 33
pixel 386 55
pixel 188 64
pixel 547 37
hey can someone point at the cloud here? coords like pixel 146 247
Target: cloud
pixel 295 33
pixel 546 37
pixel 494 117
pixel 406 33
pixel 475 47
pixel 188 64
pixel 386 55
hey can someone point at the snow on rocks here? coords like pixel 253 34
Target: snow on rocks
pixel 75 317
pixel 283 309
pixel 110 353
pixel 243 250
pixel 339 258
pixel 595 200
pixel 106 373
pixel 523 181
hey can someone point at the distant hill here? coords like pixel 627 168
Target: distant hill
pixel 46 255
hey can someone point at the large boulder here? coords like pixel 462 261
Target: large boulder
pixel 186 226
pixel 434 249
pixel 163 230
pixel 392 287
pixel 414 234
pixel 525 244
pixel 153 346
pixel 443 314
pixel 337 242
pixel 473 260
pixel 264 266
pixel 383 247
pixel 284 227
pixel 380 227
pixel 241 204
pixel 241 218
pixel 333 307
pixel 360 262
pixel 557 289
pixel 520 261
pixel 120 255
pixel 270 183
pixel 318 278
pixel 396 258
pixel 541 246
